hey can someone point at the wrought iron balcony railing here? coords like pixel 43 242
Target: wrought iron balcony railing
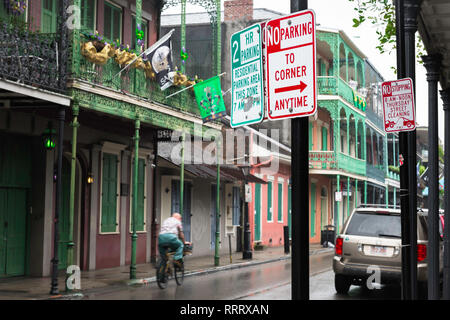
pixel 351 164
pixel 30 58
pixel 322 160
pixel 134 82
pixel 336 86
pixel 377 172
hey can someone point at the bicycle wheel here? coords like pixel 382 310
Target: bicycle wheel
pixel 161 275
pixel 179 274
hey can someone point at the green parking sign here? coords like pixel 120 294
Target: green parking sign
pixel 247 97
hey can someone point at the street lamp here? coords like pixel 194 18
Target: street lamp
pixel 247 252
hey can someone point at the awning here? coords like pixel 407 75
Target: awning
pixel 228 173
pixel 434 29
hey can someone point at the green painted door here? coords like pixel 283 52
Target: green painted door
pixel 13 204
pixel 15 183
pixel 3 235
pixel 313 210
pixel 64 216
pixel 257 211
pixel 109 193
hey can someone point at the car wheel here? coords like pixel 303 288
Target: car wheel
pixel 342 283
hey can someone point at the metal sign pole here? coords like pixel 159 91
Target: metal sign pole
pixel 411 9
pixel 300 199
pixel 406 285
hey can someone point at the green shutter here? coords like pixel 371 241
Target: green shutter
pixel 88 10
pixel 112 22
pixel 140 224
pixel 269 201
pixel 280 202
pixel 257 212
pixel 3 13
pixel 313 210
pixel 324 139
pixel 109 193
pixel 49 14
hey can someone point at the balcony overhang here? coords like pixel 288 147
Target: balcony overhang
pixel 25 96
pixel 124 105
pixel 434 29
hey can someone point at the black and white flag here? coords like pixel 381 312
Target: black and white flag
pixel 160 57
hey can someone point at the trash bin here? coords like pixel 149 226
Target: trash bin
pixel 328 234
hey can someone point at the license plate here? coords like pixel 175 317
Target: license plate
pixel 378 250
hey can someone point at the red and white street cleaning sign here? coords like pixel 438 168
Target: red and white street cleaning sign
pixel 398 105
pixel 291 66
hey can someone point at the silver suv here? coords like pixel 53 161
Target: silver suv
pixel 371 239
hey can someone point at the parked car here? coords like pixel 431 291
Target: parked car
pixel 372 237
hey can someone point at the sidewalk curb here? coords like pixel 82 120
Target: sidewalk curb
pixel 144 281
pixel 211 270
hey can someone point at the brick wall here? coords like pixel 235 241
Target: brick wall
pixel 238 10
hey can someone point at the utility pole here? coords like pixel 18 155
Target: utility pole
pixel 300 197
pixel 432 64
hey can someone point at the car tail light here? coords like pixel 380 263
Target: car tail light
pixel 338 247
pixel 421 252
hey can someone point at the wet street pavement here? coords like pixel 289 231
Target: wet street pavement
pixel 322 288
pixel 229 285
pixel 270 281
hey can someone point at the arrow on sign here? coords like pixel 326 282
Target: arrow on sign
pixel 300 87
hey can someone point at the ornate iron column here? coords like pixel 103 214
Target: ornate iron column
pixel 154 226
pixel 54 284
pixel 445 94
pixel 62 70
pixel 135 198
pixel 433 64
pixel 183 32
pixel 216 254
pixel 183 137
pixel 70 244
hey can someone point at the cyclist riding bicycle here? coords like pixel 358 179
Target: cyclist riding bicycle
pixel 172 236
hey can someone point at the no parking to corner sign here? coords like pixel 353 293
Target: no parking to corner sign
pixel 291 66
pixel 247 99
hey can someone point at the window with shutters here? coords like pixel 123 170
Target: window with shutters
pixel 113 22
pixel 109 193
pixel 141 200
pixel 144 25
pixel 88 14
pixel 236 206
pixel 49 15
pixel 280 202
